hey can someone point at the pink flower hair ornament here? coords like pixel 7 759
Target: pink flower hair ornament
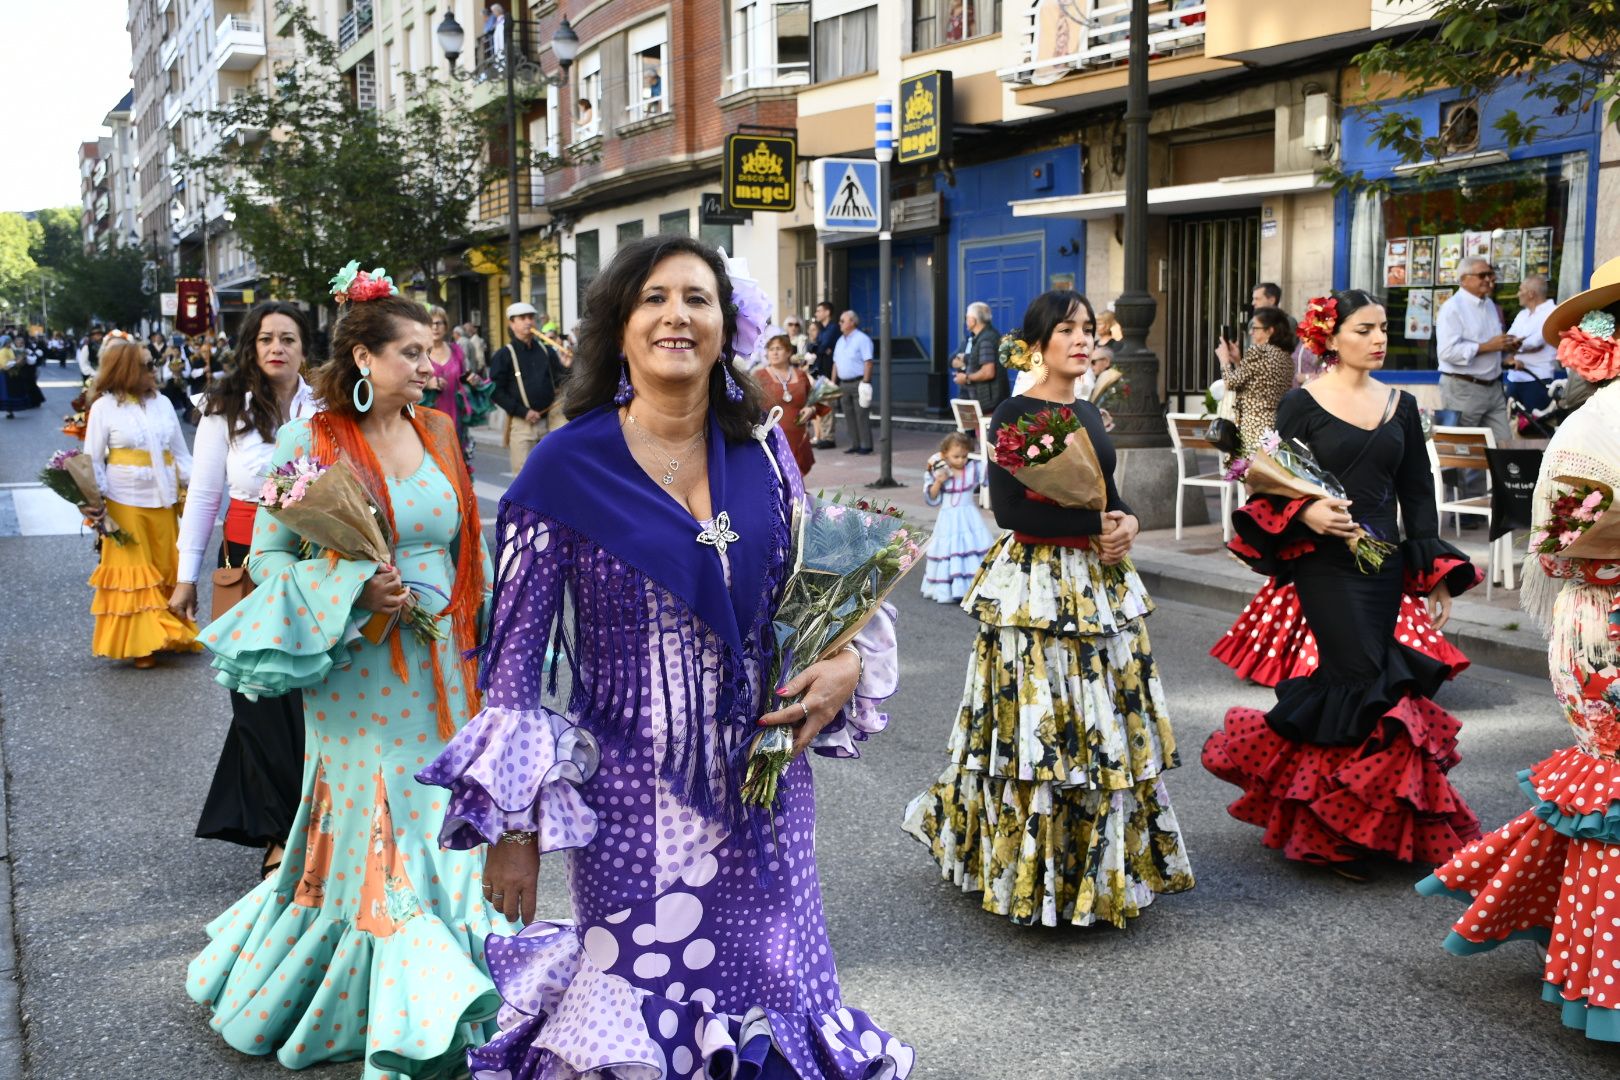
pixel 353 285
pixel 1316 328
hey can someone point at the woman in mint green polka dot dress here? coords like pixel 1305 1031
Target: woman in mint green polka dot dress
pixel 368 941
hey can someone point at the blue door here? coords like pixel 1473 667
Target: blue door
pixel 1006 274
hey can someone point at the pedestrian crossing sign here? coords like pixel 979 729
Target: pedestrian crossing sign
pixel 847 195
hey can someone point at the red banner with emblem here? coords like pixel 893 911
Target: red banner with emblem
pixel 195 312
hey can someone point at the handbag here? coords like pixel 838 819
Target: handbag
pixel 231 586
pixel 1222 432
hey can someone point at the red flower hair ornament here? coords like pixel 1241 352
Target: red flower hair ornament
pixel 1316 328
pixel 352 284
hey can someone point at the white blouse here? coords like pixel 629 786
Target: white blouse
pixel 147 424
pixel 227 466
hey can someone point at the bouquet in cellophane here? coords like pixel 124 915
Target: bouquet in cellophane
pixel 1289 469
pixel 1051 454
pixel 822 392
pixel 846 558
pixel 1584 523
pixel 329 507
pixel 72 475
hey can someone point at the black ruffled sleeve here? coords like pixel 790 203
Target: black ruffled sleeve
pixel 1268 531
pixel 1428 560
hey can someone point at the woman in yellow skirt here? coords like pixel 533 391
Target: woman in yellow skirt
pixel 142 462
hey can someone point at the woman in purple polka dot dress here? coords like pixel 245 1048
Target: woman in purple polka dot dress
pixel 642 551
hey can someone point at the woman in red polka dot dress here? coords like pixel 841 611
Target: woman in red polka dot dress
pixel 1552 874
pixel 1271 641
pixel 1351 762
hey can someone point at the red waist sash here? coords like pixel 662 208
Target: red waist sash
pixel 239 521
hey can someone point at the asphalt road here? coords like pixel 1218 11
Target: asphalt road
pixel 1266 969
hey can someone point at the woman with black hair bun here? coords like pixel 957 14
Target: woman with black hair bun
pixel 1053 802
pixel 1351 762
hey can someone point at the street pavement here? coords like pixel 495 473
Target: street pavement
pixel 1266 969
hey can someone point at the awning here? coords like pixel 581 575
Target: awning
pixel 1223 194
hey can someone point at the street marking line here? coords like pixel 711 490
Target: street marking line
pixel 44 513
pixel 486 490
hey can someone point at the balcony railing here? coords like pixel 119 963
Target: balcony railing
pixel 531 192
pixel 173 109
pixel 1097 35
pixel 238 44
pixel 645 108
pixel 354 23
pixel 768 75
pixel 169 51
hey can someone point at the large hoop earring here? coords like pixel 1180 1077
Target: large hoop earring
pixel 371 394
pixel 1036 360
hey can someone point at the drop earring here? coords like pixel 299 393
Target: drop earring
pixel 626 391
pixel 370 391
pixel 1036 360
pixel 734 392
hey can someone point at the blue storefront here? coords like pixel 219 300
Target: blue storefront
pixel 1529 209
pixel 974 250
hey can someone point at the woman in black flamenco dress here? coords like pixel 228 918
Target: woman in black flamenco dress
pixel 1351 762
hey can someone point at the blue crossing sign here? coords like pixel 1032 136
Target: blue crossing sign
pixel 848 198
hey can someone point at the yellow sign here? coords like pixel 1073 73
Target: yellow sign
pixel 761 172
pixel 925 117
pixel 247 297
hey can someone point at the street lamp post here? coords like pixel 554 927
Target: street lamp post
pixel 517 67
pixel 1140 420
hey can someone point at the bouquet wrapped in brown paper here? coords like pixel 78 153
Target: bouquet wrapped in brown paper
pixel 331 508
pixel 1051 454
pixel 1584 522
pixel 1289 470
pixel 72 475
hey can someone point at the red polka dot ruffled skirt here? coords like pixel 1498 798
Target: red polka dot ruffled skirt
pixel 1271 641
pixel 1387 795
pixel 1551 875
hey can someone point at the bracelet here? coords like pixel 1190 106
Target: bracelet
pixel 513 836
pixel 860 661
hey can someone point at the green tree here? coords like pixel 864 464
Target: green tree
pixel 1566 52
pixel 59 236
pixel 111 287
pixel 18 271
pixel 334 181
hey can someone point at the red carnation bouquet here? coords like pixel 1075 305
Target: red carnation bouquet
pixel 1051 454
pixel 1582 524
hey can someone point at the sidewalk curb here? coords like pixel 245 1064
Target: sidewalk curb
pixel 13 1045
pixel 1480 632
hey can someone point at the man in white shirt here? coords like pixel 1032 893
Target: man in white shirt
pixel 1536 363
pixel 1471 345
pixel 852 363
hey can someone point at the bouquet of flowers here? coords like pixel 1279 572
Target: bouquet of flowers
pixel 1289 469
pixel 822 392
pixel 1582 525
pixel 72 475
pixel 846 558
pixel 1051 454
pixel 328 506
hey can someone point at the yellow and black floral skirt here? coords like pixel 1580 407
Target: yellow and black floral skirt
pixel 1053 803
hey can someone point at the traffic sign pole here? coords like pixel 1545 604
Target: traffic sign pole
pixel 883 150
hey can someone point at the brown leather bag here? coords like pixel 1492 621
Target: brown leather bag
pixel 231 587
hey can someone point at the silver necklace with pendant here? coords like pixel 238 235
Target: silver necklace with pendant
pixel 786 384
pixel 674 461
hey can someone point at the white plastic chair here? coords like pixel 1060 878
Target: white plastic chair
pixel 1464 448
pixel 1187 437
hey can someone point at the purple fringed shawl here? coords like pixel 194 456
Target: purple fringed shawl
pixel 594 556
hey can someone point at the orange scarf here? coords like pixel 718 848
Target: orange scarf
pixel 339 436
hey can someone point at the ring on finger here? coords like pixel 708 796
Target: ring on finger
pixel 497 896
pixel 804 709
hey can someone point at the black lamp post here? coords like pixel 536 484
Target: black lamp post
pixel 1140 423
pixel 517 67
